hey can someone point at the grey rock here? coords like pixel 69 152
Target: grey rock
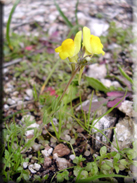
pixel 31 169
pixel 127 108
pixel 39 19
pixel 28 117
pixel 66 137
pixel 72 156
pixel 87 153
pixel 47 162
pixel 98 26
pixel 6 107
pixel 47 153
pixel 11 101
pixel 25 165
pixel 29 92
pixel 36 147
pixel 62 163
pixel 97 71
pixel 124 133
pixel 36 166
pixel 103 124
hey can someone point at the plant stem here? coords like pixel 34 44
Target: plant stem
pixel 73 75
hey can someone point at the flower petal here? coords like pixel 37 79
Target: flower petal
pixel 77 42
pixel 96 45
pixel 86 39
pixel 66 49
pixel 91 43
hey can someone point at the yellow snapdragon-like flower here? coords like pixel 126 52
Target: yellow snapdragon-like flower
pixel 91 43
pixel 70 48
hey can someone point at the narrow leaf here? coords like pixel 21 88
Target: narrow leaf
pixel 125 75
pixel 8 24
pixel 63 16
pixel 96 84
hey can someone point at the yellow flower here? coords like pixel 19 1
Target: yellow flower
pixel 70 48
pixel 92 44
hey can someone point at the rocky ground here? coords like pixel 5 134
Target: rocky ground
pixel 36 18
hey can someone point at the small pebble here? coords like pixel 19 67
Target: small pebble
pixel 87 153
pixel 72 156
pixel 47 153
pixel 31 169
pixel 36 166
pixel 11 101
pixel 25 165
pixel 6 107
pixel 36 147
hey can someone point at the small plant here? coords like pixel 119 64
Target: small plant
pixel 63 176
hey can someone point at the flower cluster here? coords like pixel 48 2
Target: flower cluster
pixel 70 48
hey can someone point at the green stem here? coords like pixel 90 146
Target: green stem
pixel 73 75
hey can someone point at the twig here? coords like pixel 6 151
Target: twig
pixel 12 62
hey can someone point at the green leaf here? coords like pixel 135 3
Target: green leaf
pixel 116 157
pixel 103 150
pixel 8 23
pixel 122 164
pixel 63 16
pixel 6 154
pixel 105 167
pixel 19 169
pixel 113 153
pixel 76 170
pixel 84 174
pixel 60 178
pixel 71 94
pixel 125 75
pixel 116 168
pixel 79 159
pixel 95 177
pixel 96 84
pixel 109 163
pixel 92 167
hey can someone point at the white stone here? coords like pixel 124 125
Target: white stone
pixel 18 15
pixel 113 46
pixel 34 125
pixel 29 132
pixel 55 155
pixel 87 153
pixel 106 82
pixel 115 84
pixel 28 117
pixel 6 107
pixel 35 5
pixel 36 147
pixel 97 26
pixel 25 165
pixel 36 166
pixel 11 101
pixel 97 71
pixel 62 163
pixel 29 92
pixel 103 124
pixel 72 156
pixel 47 153
pixel 124 133
pixel 135 130
pixel 5 70
pixel 52 17
pixel 20 102
pixel 66 137
pixel 39 19
pixel 127 108
pixel 31 169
